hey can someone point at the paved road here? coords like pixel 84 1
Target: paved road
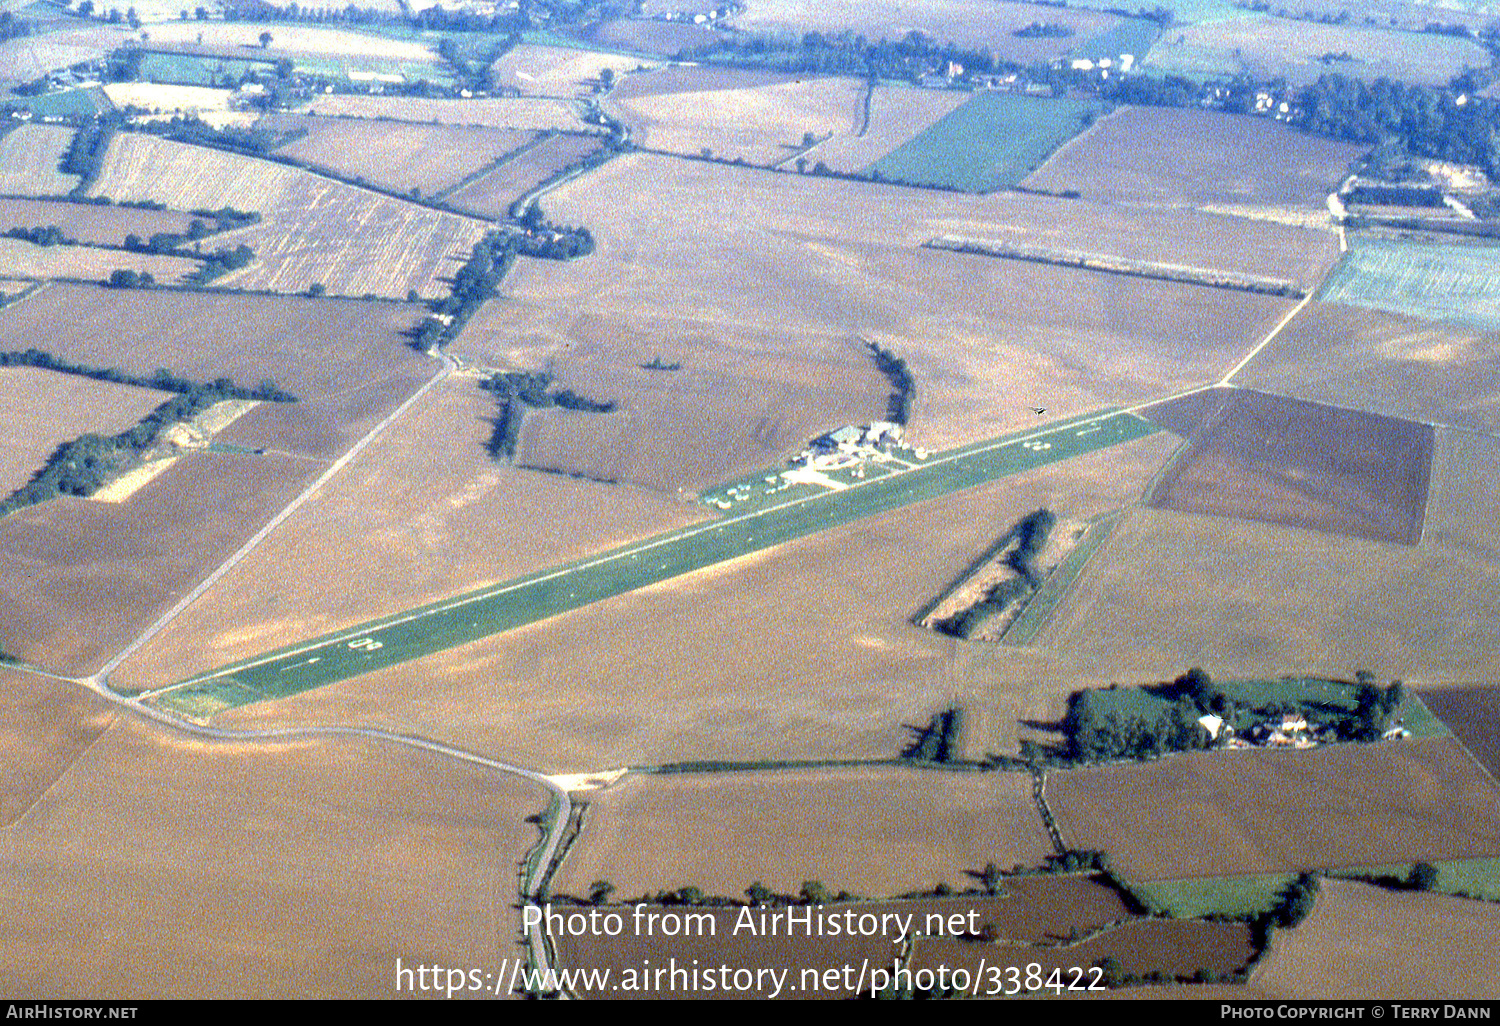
pixel 420 632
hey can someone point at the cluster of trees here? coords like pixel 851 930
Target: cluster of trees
pixel 548 241
pixel 85 156
pixel 1425 119
pixel 433 19
pixel 12 27
pixel 254 141
pixel 1396 195
pixel 938 739
pixel 903 385
pixel 1375 709
pixel 518 391
pixel 1096 731
pixel 1029 536
pixel 83 466
pixel 51 235
pixel 846 53
pixel 1038 30
pixel 124 278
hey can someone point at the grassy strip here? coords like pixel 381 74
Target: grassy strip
pixel 1045 600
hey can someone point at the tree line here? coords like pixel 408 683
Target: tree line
pixel 520 391
pixel 83 466
pixel 162 380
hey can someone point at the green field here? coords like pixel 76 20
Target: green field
pixel 1442 283
pixel 993 141
pixel 1252 895
pixel 64 104
pixel 411 635
pixel 191 69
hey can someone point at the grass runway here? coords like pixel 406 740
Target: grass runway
pixel 416 633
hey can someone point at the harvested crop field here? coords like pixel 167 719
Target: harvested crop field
pixel 168 99
pixel 491 193
pixel 750 116
pixel 877 831
pixel 1473 714
pixel 315 230
pixel 429 510
pixel 1171 157
pixel 897 114
pixel 993 141
pixel 40 410
pixel 1211 813
pixel 21 259
pixel 1386 363
pixel 29 156
pixel 45 726
pixel 1443 283
pixel 27 58
pixel 1366 943
pixel 984 26
pixel 82 578
pixel 728 410
pixel 317 349
pixel 559 70
pixel 1173 947
pixel 88 222
pixel 529 114
pixel 986 339
pixel 208 857
pixel 395 156
pixel 244 36
pixel 1268 47
pixel 1285 461
pixel 1249 599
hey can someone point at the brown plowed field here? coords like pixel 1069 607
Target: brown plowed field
pixel 1246 599
pixel 21 259
pixel 88 222
pixel 81 579
pixel 161 867
pixel 1284 461
pixel 1227 813
pixel 1365 943
pixel 40 410
pixel 729 410
pixel 879 831
pixel 393 155
pixel 1385 363
pixel 1473 714
pixel 1178 158
pixel 313 348
pixel 1174 947
pixel 748 259
pixel 492 193
pixel 45 725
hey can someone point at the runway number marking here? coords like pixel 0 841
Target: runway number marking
pixel 367 644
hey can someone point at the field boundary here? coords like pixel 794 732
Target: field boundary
pixel 1106 264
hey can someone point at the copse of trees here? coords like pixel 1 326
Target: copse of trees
pixel 518 391
pixel 51 235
